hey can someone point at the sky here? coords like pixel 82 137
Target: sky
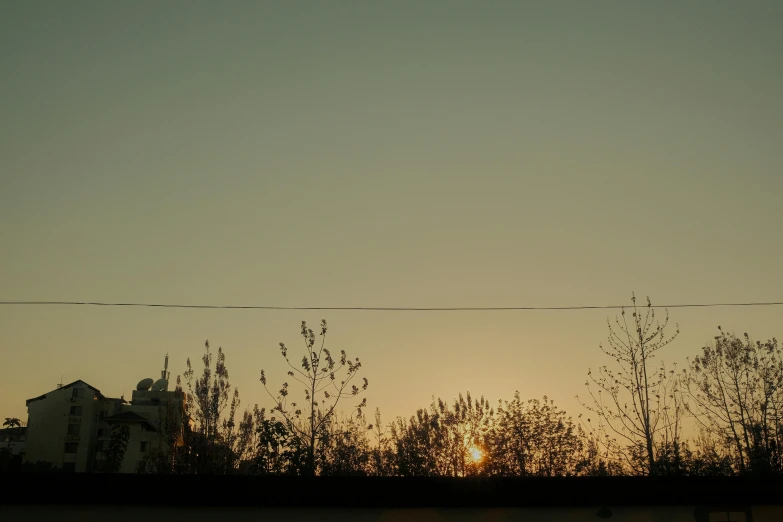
pixel 383 154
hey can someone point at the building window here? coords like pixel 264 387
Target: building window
pixel 102 445
pixel 73 429
pixel 103 432
pixel 144 445
pixel 78 393
pixel 71 447
pixel 141 467
pixel 102 414
pixel 76 411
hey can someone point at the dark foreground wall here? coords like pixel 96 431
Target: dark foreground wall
pixel 375 492
pixel 623 514
pixel 228 498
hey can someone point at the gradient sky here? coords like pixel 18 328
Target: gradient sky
pixel 397 153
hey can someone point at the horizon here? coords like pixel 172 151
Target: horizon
pixel 567 404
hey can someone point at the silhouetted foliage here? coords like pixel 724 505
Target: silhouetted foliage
pixel 636 402
pixel 277 450
pixel 11 424
pixel 534 438
pixel 323 386
pixel 682 458
pixel 344 448
pixel 11 464
pixel 118 444
pixel 736 387
pixel 443 441
pixel 381 453
pixel 417 445
pixel 598 460
pixel 213 443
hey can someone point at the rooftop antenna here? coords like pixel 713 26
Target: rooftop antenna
pixel 61 382
pixel 165 373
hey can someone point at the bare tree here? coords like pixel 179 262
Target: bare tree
pixel 634 401
pixel 325 382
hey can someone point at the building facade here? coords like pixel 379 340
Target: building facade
pixel 71 426
pixel 154 419
pixel 65 425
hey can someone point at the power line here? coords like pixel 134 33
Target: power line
pixel 375 309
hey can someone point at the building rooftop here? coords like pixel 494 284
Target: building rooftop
pixel 96 390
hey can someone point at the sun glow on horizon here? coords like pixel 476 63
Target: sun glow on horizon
pixel 476 454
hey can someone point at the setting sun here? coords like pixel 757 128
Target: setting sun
pixel 476 454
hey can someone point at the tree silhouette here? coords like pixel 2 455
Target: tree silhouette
pixel 535 439
pixel 211 441
pixel 12 422
pixel 417 444
pixel 443 441
pixel 325 382
pixel 736 387
pixel 9 423
pixel 277 451
pixel 118 444
pixel 344 447
pixel 466 425
pixel 381 455
pixel 652 392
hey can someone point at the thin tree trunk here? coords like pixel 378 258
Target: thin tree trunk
pixel 647 428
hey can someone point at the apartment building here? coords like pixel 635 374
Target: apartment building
pixel 155 421
pixel 65 424
pixel 71 426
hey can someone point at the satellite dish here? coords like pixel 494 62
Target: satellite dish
pixel 160 385
pixel 144 384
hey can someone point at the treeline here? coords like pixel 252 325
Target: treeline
pixel 730 395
